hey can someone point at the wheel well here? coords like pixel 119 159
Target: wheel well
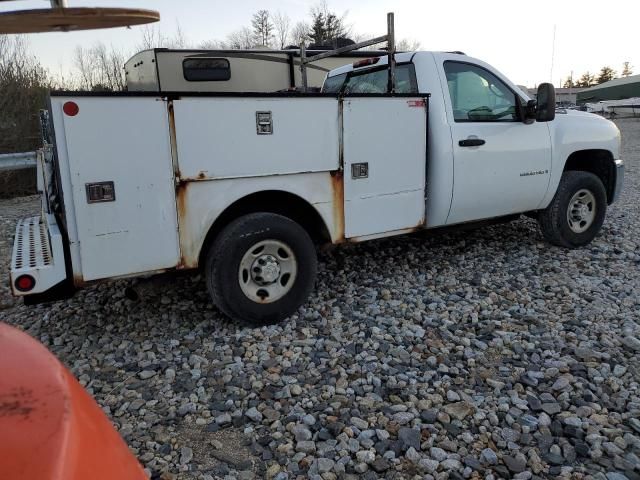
pixel 274 201
pixel 598 162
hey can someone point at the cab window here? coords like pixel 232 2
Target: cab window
pixel 372 81
pixel 477 95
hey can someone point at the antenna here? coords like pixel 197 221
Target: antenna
pixel 553 53
pixel 61 18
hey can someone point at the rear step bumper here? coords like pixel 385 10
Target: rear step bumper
pixel 38 252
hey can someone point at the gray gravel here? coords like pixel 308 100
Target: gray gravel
pixel 484 353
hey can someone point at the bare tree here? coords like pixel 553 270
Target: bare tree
pixel 84 64
pixel 212 45
pixel 300 33
pixel 240 39
pixel 100 68
pixel 408 45
pixel 281 27
pixel 153 37
pixel 23 90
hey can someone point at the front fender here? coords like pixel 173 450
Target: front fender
pixel 573 132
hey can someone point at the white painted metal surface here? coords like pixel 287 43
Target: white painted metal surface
pixel 38 251
pixel 575 131
pixel 391 197
pixel 509 174
pixel 124 140
pixel 217 137
pixel 205 201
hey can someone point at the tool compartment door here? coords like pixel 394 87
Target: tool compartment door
pixel 122 184
pixel 385 159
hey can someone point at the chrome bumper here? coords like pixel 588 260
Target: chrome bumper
pixel 617 188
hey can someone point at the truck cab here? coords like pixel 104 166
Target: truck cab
pixel 488 156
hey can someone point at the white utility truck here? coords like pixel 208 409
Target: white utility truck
pixel 245 186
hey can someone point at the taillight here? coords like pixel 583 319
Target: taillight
pixel 366 62
pixel 71 108
pixel 25 283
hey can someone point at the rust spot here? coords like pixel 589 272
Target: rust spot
pixel 172 139
pixel 181 207
pixel 337 188
pixel 78 281
pixel 183 231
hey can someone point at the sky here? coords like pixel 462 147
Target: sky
pixel 514 36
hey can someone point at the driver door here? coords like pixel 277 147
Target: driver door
pixel 501 165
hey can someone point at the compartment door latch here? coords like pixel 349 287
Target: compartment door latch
pixel 99 192
pixel 264 123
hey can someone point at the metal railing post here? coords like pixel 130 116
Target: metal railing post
pixel 303 66
pixel 391 46
pixel 391 49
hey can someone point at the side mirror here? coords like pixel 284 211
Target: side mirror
pixel 546 109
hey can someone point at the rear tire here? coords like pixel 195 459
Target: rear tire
pixel 261 268
pixel 576 213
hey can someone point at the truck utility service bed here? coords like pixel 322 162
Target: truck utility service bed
pixel 146 176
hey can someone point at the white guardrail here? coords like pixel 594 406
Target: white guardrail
pixel 16 161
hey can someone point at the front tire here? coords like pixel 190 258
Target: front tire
pixel 576 213
pixel 261 268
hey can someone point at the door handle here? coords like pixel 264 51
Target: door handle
pixel 471 142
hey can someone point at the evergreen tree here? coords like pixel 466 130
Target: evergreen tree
pixel 606 74
pixel 569 83
pixel 586 80
pixel 626 69
pixel 262 27
pixel 327 28
pixel 318 32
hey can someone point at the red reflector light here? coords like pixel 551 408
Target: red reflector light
pixel 24 283
pixel 71 108
pixel 366 62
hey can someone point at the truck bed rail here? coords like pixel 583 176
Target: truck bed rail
pixel 17 161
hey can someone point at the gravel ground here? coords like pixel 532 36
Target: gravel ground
pixel 474 354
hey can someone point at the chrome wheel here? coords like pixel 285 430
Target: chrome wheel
pixel 581 211
pixel 267 271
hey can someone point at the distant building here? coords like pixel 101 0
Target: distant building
pixel 616 89
pixel 564 96
pixel 567 96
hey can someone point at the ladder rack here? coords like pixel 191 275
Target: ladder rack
pixel 391 50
